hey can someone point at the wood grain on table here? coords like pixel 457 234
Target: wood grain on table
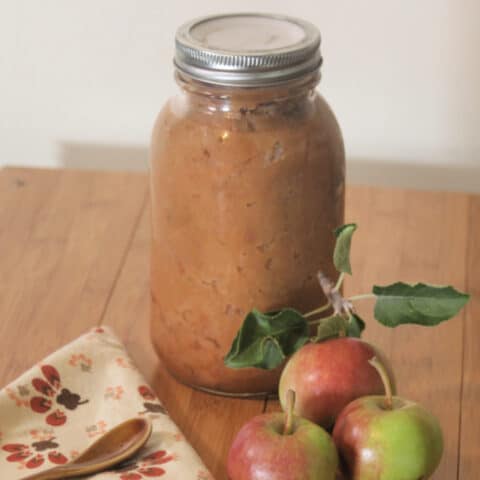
pixel 75 253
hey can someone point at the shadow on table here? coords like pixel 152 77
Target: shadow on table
pixel 96 156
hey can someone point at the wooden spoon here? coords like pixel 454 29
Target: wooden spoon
pixel 114 447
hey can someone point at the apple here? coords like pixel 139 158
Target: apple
pixel 388 437
pixel 278 446
pixel 327 376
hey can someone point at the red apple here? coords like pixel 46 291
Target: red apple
pixel 327 376
pixel 273 446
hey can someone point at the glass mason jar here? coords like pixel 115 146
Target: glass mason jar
pixel 247 186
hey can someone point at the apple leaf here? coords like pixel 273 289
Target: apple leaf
pixel 341 254
pixel 330 327
pixel 337 325
pixel 355 326
pixel 266 339
pixel 421 304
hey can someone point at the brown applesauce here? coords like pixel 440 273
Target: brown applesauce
pixel 247 186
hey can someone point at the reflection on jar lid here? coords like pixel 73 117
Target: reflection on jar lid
pixel 247 49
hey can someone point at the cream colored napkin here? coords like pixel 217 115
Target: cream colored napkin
pixel 59 407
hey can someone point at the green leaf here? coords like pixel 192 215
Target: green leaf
pixel 330 327
pixel 337 325
pixel 355 326
pixel 266 339
pixel 341 254
pixel 420 303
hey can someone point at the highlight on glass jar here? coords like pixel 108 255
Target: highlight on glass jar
pixel 247 185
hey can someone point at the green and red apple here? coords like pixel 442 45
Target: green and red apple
pixel 275 446
pixel 326 376
pixel 388 438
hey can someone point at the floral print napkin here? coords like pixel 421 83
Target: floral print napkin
pixel 58 408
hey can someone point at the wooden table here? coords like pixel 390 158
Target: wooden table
pixel 74 254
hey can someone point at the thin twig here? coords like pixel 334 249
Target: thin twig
pixel 362 297
pixel 339 304
pixel 340 281
pixel 317 310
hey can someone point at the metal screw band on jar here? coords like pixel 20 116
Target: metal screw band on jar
pixel 247 49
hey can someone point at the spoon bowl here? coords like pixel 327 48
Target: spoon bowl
pixel 116 446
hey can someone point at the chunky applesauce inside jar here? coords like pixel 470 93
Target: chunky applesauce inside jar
pixel 247 186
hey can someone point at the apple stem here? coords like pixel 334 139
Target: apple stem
pixel 387 384
pixel 287 430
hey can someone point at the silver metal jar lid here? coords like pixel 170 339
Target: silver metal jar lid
pixel 247 49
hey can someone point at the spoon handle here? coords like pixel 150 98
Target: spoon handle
pixel 112 448
pixel 55 473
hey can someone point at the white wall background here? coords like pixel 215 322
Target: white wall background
pixel 82 81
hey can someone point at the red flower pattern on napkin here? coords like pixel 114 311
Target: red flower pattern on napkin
pixel 30 455
pixel 51 391
pixel 146 467
pixel 152 404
